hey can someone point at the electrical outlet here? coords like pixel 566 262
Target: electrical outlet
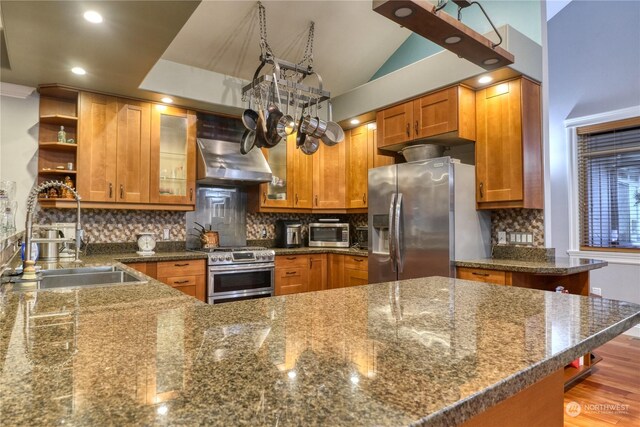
pixel 502 237
pixel 596 291
pixel 166 234
pixel 529 237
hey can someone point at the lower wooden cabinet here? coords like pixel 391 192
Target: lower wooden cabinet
pixel 316 272
pixel 189 276
pixel 482 275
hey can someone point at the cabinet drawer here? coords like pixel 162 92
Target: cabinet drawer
pixel 181 268
pixel 356 262
pixel 290 261
pixel 179 280
pixel 193 285
pixel 481 275
pixel 355 277
pixel 291 280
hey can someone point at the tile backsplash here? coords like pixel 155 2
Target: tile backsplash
pixel 110 226
pixel 518 220
pixel 257 222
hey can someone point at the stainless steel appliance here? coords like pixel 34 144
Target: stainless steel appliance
pixel 288 234
pixel 329 234
pixel 236 274
pixel 422 217
pixel 219 161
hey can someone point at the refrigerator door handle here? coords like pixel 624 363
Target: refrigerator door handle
pixel 396 223
pixel 392 249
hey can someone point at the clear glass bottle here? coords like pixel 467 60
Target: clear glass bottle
pixel 62 135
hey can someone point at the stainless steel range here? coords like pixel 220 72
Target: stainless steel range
pixel 239 273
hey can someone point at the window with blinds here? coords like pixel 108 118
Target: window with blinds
pixel 609 185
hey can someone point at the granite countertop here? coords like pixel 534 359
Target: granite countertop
pixel 433 351
pixel 308 250
pixel 558 266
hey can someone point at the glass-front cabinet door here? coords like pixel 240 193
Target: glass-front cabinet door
pixel 278 192
pixel 173 155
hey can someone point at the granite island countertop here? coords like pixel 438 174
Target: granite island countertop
pixel 433 351
pixel 558 266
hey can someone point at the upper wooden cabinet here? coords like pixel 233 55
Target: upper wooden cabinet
pixel 132 150
pixel 443 116
pixel 173 156
pixel 97 147
pixel 509 146
pixel 292 185
pixel 329 176
pixel 362 155
pixel 130 154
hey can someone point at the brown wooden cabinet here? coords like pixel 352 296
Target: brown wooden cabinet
pixel 357 167
pixel 482 275
pixel 133 149
pixel 329 177
pixel 291 274
pixel 302 177
pixel 317 272
pixel 447 115
pixel 347 270
pixel 509 146
pixel 97 156
pixel 187 276
pixel 173 156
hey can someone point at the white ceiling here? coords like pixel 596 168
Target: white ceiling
pixel 351 41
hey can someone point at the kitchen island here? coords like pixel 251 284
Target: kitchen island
pixel 434 351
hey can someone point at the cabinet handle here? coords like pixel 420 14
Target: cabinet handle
pixel 290 272
pixel 191 194
pixel 181 265
pixel 110 190
pixel 296 198
pixel 408 130
pixel 416 128
pixel 122 191
pixel 480 274
pixel 316 200
pixel 264 197
pixel 180 282
pixel 364 198
pixel 358 260
pixel 291 258
pixel 482 190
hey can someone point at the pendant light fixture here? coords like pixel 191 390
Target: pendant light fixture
pixel 431 22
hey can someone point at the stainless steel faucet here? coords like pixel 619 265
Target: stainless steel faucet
pixel 28 268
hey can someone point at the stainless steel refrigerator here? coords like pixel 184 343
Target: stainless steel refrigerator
pixel 422 217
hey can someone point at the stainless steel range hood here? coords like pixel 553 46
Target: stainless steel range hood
pixel 219 161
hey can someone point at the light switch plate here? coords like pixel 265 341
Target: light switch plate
pixel 166 234
pixel 502 237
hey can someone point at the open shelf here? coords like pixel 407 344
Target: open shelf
pixel 57 91
pixel 59 119
pixel 59 146
pixel 57 172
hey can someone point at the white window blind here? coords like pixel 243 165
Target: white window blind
pixel 609 185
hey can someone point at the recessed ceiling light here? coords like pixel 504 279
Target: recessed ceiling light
pixel 490 61
pixel 93 16
pixel 355 121
pixel 167 100
pixel 485 79
pixel 79 71
pixel 452 39
pixel 403 12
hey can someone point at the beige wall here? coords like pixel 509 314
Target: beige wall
pixel 19 146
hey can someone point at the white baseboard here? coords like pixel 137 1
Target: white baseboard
pixel 634 332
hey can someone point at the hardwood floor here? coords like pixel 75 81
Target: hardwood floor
pixel 614 381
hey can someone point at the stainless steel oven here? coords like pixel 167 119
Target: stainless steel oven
pixel 334 234
pixel 238 282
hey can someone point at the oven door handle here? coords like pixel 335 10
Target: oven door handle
pixel 237 268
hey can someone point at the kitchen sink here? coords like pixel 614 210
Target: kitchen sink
pixel 81 277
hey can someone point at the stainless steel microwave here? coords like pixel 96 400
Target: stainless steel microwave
pixel 333 234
